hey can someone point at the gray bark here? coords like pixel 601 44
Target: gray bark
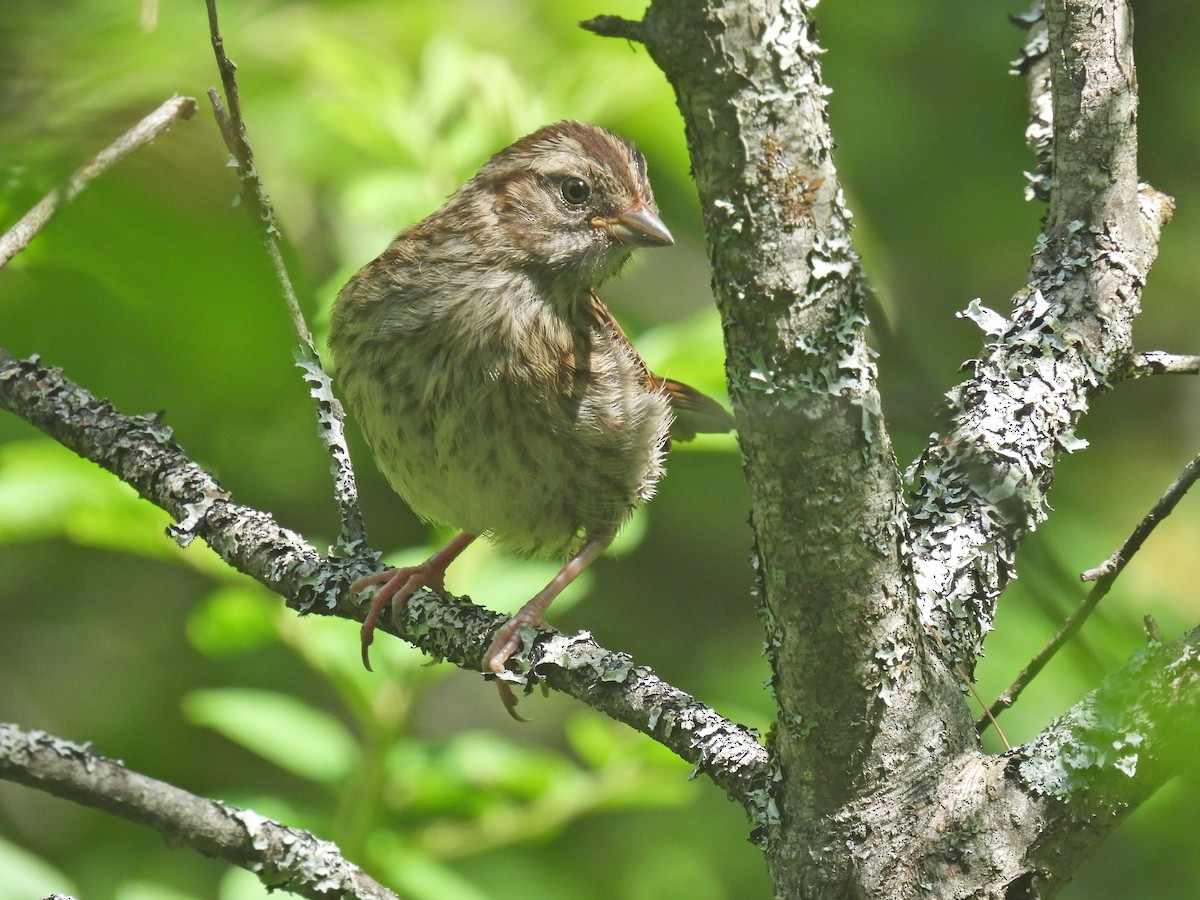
pixel 282 857
pixel 883 789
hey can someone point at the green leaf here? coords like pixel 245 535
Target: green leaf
pixel 296 737
pixel 46 491
pixel 234 619
pixel 25 875
pixel 418 875
pixel 691 350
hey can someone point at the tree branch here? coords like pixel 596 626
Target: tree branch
pixel 1101 759
pixel 981 487
pixel 855 681
pixel 857 691
pixel 1024 821
pixel 141 452
pixel 282 857
pixel 1156 362
pixel 18 237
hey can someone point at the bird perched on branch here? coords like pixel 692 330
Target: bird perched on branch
pixel 497 392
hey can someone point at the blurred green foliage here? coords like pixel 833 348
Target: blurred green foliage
pixel 151 290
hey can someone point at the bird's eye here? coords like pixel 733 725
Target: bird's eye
pixel 575 190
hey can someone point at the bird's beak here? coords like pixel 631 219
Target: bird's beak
pixel 637 227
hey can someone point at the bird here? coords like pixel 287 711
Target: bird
pixel 496 391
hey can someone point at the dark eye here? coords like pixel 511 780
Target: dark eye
pixel 575 190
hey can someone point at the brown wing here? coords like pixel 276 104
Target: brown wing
pixel 695 413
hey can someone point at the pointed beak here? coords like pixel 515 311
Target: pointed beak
pixel 636 227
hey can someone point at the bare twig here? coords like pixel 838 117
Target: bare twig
pixel 1159 363
pixel 18 237
pixel 280 856
pixel 1107 571
pixel 616 26
pixel 1104 575
pixel 330 416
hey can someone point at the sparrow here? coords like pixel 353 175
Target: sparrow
pixel 496 391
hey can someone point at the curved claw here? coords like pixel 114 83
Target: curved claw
pixel 400 584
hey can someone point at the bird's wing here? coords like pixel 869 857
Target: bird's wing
pixel 695 413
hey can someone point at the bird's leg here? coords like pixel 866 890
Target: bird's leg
pixel 504 644
pixel 400 584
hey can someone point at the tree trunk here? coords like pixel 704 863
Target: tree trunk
pixel 875 605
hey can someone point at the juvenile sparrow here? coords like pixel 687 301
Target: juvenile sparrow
pixel 497 392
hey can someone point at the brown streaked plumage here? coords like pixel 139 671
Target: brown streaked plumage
pixel 497 392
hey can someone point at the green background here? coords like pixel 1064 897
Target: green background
pixel 152 290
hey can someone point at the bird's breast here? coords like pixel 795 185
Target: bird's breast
pixel 513 423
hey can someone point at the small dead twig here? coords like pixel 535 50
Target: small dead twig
pixel 1156 362
pixel 18 237
pixel 1104 575
pixel 987 713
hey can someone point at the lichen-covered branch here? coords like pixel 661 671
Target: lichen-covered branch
pixel 1034 64
pixel 1156 362
pixel 141 452
pixel 283 858
pixel 1019 824
pixel 1106 755
pixel 1023 822
pixel 1126 738
pixel 981 486
pixel 614 685
pixel 882 789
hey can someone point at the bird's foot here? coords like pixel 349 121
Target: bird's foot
pixel 505 643
pixel 398 586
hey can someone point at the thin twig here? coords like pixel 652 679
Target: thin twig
pixel 1104 575
pixel 18 237
pixel 987 714
pixel 1107 571
pixel 281 857
pixel 330 416
pixel 1159 363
